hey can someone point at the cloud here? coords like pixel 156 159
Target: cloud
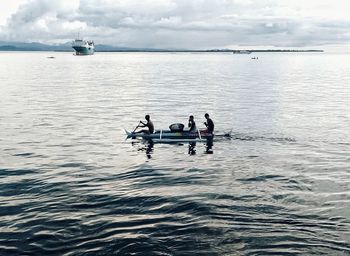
pixel 182 23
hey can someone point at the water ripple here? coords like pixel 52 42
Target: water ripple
pixel 71 185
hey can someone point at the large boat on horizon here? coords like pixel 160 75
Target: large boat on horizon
pixel 83 47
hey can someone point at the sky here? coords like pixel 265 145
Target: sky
pixel 180 24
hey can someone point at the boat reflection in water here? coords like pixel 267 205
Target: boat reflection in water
pixel 149 149
pixel 209 145
pixel 148 145
pixel 192 148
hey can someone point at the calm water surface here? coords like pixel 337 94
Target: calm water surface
pixel 71 185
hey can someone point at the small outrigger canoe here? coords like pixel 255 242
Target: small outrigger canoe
pixel 168 136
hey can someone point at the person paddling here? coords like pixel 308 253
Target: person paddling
pixel 149 125
pixel 192 124
pixel 209 124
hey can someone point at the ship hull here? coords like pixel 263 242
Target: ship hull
pixel 83 50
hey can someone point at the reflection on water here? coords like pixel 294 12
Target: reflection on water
pixel 146 146
pixel 192 148
pixel 149 149
pixel 209 145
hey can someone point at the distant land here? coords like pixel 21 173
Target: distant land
pixel 19 46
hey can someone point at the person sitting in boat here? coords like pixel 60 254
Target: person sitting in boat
pixel 209 124
pixel 192 124
pixel 149 126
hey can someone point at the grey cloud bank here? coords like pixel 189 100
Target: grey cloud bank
pixel 194 24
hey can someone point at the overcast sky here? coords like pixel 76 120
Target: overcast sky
pixel 193 24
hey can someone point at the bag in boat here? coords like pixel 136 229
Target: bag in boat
pixel 176 127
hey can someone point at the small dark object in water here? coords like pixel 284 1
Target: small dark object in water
pixel 51 57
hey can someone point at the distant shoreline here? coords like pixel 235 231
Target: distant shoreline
pixel 3 49
pixel 214 51
pixel 67 47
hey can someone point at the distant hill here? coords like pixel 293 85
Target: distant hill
pixel 19 46
pixel 8 48
pixel 66 47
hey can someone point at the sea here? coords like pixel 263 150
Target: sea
pixel 72 184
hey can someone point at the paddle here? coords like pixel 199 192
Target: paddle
pixel 136 127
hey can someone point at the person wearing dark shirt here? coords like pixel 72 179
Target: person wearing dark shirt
pixel 149 125
pixel 209 124
pixel 192 125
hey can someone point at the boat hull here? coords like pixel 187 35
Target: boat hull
pixel 172 137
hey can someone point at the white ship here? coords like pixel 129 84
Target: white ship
pixel 83 47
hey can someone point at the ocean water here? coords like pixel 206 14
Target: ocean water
pixel 70 184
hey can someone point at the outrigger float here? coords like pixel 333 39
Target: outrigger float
pixel 169 136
